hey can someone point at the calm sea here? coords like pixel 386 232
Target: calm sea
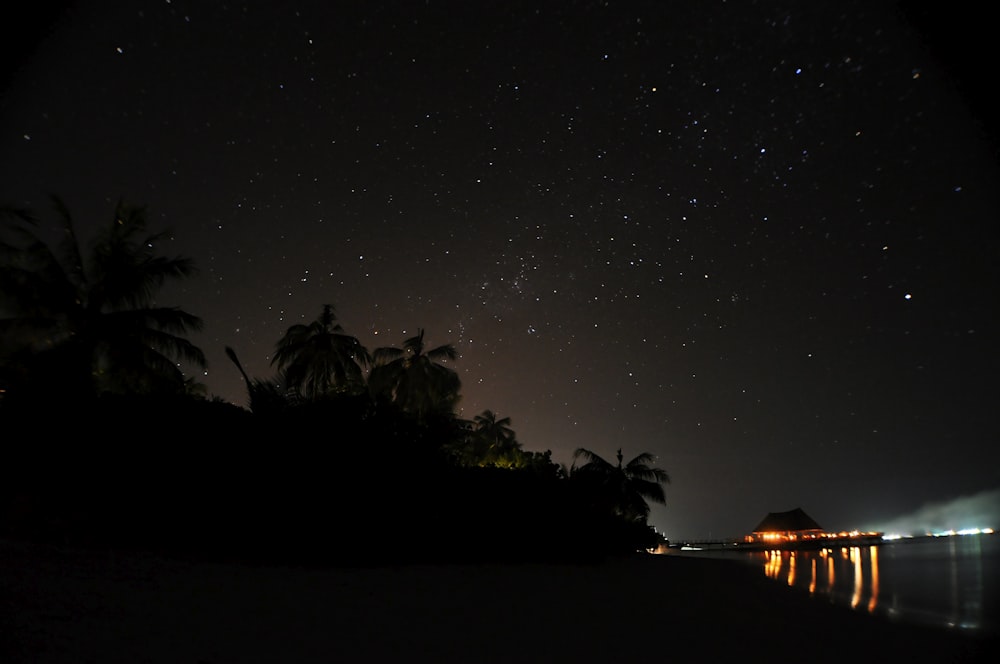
pixel 944 581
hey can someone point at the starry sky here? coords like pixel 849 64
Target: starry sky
pixel 756 239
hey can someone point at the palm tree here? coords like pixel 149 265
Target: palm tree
pixel 83 323
pixel 265 396
pixel 414 377
pixel 496 431
pixel 498 439
pixel 319 360
pixel 622 488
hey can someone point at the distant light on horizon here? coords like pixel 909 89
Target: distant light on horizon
pixel 947 533
pixel 962 514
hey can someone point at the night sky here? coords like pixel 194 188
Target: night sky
pixel 756 239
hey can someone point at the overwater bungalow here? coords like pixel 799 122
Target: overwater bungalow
pixel 788 526
pixel 796 529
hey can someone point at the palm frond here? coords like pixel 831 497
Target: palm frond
pixel 90 317
pixel 386 355
pixel 70 256
pixel 445 352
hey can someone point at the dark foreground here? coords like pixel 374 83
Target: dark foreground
pixel 71 605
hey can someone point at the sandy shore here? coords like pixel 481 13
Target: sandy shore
pixel 63 605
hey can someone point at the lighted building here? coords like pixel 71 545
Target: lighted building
pixel 786 526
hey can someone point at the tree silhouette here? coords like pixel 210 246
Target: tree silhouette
pixel 414 378
pixel 319 359
pixel 494 442
pixel 496 432
pixel 264 396
pixel 82 323
pixel 621 488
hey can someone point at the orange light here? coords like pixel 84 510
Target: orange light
pixel 873 602
pixel 859 583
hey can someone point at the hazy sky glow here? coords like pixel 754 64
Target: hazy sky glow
pixel 755 239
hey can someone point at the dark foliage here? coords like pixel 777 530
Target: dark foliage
pixel 344 480
pixel 81 319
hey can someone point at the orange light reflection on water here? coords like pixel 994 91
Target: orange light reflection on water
pixel 772 564
pixel 859 576
pixel 873 555
pixel 856 566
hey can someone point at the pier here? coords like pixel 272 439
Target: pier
pixel 793 530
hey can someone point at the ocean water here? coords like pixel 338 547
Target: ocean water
pixel 951 582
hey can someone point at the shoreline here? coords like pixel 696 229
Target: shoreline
pixel 75 605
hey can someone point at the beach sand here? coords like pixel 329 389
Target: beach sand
pixel 61 605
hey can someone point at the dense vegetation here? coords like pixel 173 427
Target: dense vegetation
pixel 345 455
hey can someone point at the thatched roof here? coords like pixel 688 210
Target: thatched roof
pixel 781 522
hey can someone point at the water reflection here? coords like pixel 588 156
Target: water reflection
pixel 949 581
pixel 873 601
pixel 855 565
